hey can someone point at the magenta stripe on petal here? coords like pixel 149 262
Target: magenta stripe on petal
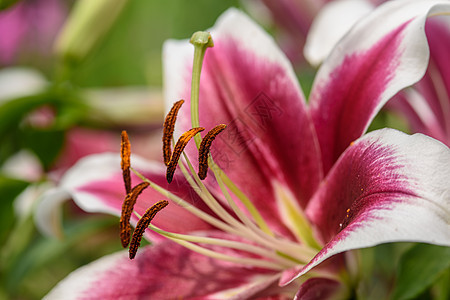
pixel 165 270
pixel 361 180
pixel 343 105
pixel 387 187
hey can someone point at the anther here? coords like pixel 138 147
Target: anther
pixel 169 126
pixel 179 147
pixel 127 209
pixel 204 149
pixel 125 154
pixel 143 224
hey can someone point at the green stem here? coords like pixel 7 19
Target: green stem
pixel 201 41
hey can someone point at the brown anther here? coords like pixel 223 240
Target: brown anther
pixel 143 224
pixel 169 126
pixel 127 209
pixel 125 154
pixel 179 147
pixel 204 149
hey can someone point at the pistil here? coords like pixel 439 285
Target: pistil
pixel 201 41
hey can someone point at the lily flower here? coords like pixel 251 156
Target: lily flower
pixel 291 186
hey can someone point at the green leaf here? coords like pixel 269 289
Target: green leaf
pixel 10 189
pixel 130 54
pixel 11 115
pixel 420 267
pixel 4 4
pixel 45 143
pixel 47 260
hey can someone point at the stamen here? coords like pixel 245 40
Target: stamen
pixel 246 229
pixel 143 224
pixel 204 149
pixel 179 147
pixel 169 126
pixel 189 207
pixel 125 154
pixel 255 262
pixel 127 208
pixel 226 243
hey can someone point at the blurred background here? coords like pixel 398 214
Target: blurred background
pixel 73 75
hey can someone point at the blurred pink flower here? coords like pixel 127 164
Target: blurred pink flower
pixel 29 26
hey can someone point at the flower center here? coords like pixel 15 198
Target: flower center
pixel 249 233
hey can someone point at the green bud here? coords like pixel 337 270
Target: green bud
pixel 88 22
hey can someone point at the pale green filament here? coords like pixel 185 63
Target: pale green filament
pixel 201 41
pixel 299 225
pixel 241 196
pixel 192 209
pixel 240 260
pixel 299 254
pixel 226 243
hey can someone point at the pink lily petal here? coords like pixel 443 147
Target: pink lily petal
pixel 436 84
pixel 418 113
pixel 387 187
pixel 428 111
pixel 365 70
pixel 248 84
pixel 95 183
pixel 320 288
pixel 331 24
pixel 163 271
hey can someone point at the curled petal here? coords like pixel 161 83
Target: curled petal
pixel 330 25
pixel 387 187
pixel 383 53
pixel 427 106
pixel 163 271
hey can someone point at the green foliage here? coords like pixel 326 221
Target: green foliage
pixel 45 143
pixel 4 4
pixel 34 269
pixel 10 188
pixel 131 52
pixel 419 268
